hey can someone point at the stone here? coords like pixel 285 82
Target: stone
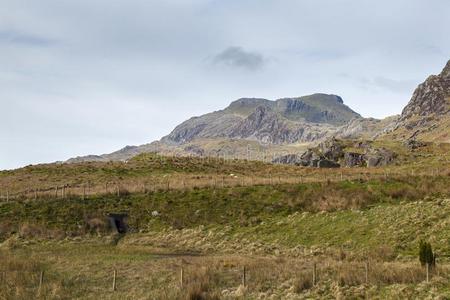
pixel 326 163
pixel 380 157
pixel 413 144
pixel 352 159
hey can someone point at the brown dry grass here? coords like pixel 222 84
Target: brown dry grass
pixel 205 277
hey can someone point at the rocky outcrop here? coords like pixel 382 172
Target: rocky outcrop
pixel 430 97
pixel 325 155
pixel 333 153
pixel 413 144
pixel 352 159
pixel 379 157
pixel 427 115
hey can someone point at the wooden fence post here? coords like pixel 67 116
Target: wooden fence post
pixel 181 277
pixel 41 281
pixel 114 280
pixel 428 272
pixel 7 196
pixel 84 191
pixel 244 277
pixel 56 191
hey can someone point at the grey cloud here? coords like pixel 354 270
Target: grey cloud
pixel 239 58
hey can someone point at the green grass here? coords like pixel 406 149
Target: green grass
pixel 336 211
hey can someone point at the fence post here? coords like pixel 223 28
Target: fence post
pixel 114 280
pixel 428 272
pixel 244 277
pixel 314 274
pixel 181 277
pixel 84 191
pixel 41 281
pixel 56 191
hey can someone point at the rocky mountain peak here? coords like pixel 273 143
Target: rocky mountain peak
pixel 430 97
pixel 446 71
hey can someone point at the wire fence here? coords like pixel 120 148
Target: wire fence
pixel 123 187
pixel 253 278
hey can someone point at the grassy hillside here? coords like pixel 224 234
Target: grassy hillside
pixel 278 221
pixel 240 207
pixel 150 171
pixel 276 233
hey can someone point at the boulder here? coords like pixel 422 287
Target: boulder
pixel 352 159
pixel 380 157
pixel 326 163
pixel 331 149
pixel 413 144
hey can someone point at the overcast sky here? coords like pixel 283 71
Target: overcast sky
pixel 91 76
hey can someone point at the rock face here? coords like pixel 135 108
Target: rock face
pixel 427 115
pixel 430 97
pixel 333 153
pixel 287 120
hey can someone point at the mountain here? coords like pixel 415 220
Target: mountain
pixel 427 115
pixel 287 120
pixel 292 125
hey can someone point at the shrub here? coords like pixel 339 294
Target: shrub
pixel 426 255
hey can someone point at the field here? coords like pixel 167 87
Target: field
pixel 202 228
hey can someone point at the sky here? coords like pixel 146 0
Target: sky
pixel 92 76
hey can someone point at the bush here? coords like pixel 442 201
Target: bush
pixel 426 255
